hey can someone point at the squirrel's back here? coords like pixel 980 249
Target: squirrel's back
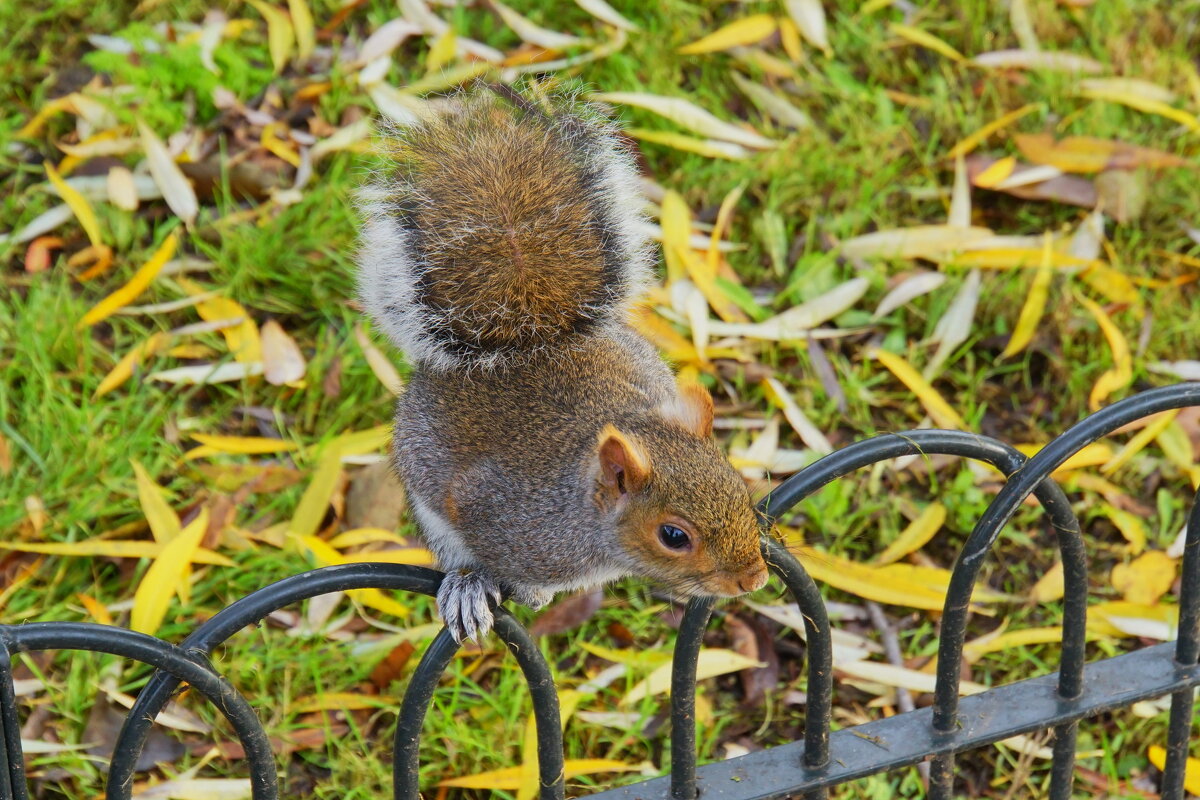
pixel 501 229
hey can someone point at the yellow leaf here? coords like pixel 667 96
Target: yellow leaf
pixel 901 677
pixel 629 657
pixel 243 338
pixel 925 39
pixel 973 651
pixel 706 282
pixel 712 258
pixel 1130 526
pixel 789 37
pixel 1191 773
pixel 1034 306
pixel 326 556
pixel 96 609
pixel 711 663
pixel 123 370
pixel 111 548
pixel 1177 447
pixel 1122 372
pixel 1049 587
pixel 1093 455
pixel 1089 154
pixel 1137 101
pixel 361 536
pixel 996 173
pixel 1146 579
pixel 162 579
pixel 1113 284
pixel 510 777
pixel 164 523
pixel 383 369
pixel 315 500
pixel 418 556
pixel 918 241
pixel 690 144
pixel 867 582
pixel 78 205
pixel 137 284
pixel 939 410
pixel 1105 619
pixel 55 106
pixel 1138 442
pixel 278 146
pixel 302 22
pixel 1012 258
pixel 236 444
pixel 978 137
pixel 360 443
pixel 741 32
pixel 339 701
pixel 915 535
pixel 676 231
pixel 280 35
pixel 442 51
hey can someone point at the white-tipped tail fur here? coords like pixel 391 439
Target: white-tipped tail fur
pixel 501 229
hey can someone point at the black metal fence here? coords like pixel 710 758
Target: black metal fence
pixel 808 768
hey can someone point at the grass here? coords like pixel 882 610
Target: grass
pixel 886 112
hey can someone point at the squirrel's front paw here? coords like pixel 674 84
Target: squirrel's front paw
pixel 463 603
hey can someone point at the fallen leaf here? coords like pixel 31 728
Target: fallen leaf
pixel 1049 587
pixel 1039 59
pixel 246 445
pixel 1130 526
pixel 809 17
pixel 280 33
pixel 1191 771
pixel 162 579
pixel 567 614
pixel 378 362
pixel 917 284
pixel 78 204
pixel 534 34
pixel 938 409
pixel 136 285
pixel 1146 579
pixel 746 30
pixel 925 39
pixel 510 777
pixel 1121 373
pixel 169 178
pixel 1090 154
pixel 283 362
pixel 1135 100
pixel 972 141
pixel 915 535
pixel 710 663
pixel 606 13
pixel 1034 305
pixel 685 113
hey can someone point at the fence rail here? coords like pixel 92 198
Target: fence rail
pixel 808 768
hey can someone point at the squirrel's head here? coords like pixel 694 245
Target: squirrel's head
pixel 684 516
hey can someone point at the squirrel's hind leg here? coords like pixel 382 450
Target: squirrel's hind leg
pixel 463 603
pixel 530 596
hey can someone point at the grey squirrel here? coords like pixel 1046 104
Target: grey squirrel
pixel 542 442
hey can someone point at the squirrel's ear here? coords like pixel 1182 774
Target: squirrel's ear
pixel 692 408
pixel 624 467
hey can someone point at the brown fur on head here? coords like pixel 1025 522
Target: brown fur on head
pixel 684 515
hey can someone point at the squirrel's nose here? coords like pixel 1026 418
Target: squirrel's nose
pixel 754 580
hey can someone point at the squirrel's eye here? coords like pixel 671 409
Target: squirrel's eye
pixel 673 538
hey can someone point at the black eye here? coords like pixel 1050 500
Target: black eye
pixel 673 537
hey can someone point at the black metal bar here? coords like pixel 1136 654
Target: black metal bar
pixel 547 717
pixel 1002 508
pixel 12 761
pixel 159 654
pixel 405 754
pixel 249 610
pixel 683 696
pixel 1187 652
pixel 819 637
pixel 905 739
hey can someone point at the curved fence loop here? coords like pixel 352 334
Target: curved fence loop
pixel 683 696
pixel 249 610
pixel 12 761
pixel 264 784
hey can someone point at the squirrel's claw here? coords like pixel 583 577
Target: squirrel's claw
pixel 463 603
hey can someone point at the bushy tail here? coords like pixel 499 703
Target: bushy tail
pixel 501 229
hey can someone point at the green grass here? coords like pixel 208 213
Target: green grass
pixel 870 162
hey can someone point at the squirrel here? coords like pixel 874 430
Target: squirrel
pixel 543 444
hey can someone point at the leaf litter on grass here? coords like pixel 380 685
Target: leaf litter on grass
pixel 993 277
